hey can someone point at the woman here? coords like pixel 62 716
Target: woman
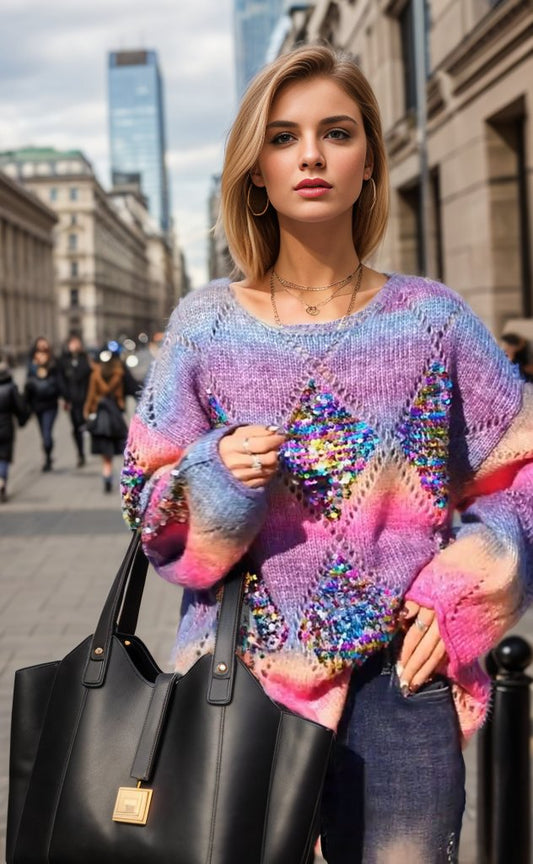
pixel 12 405
pixel 75 372
pixel 328 419
pixel 42 394
pixel 103 409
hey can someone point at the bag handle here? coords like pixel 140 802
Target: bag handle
pixel 222 678
pixel 130 581
pixel 126 592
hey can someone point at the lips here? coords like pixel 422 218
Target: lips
pixel 313 183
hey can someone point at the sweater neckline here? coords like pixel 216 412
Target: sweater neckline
pixel 339 325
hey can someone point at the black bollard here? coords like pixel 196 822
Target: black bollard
pixel 484 780
pixel 505 803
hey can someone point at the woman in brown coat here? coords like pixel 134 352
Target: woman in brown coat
pixel 103 410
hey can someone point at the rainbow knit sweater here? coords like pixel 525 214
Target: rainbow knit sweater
pixel 397 417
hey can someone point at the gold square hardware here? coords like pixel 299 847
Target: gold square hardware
pixel 132 805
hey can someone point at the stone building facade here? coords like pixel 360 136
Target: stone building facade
pixel 27 292
pixel 479 104
pixel 219 259
pixel 114 275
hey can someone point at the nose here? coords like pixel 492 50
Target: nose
pixel 311 155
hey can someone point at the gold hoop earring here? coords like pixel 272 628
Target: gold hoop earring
pixel 374 194
pixel 250 208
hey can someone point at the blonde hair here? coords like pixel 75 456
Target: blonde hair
pixel 254 240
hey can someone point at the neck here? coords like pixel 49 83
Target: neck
pixel 316 254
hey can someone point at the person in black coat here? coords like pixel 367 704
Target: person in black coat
pixel 42 394
pixel 74 374
pixel 12 405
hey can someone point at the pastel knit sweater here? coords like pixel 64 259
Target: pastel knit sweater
pixel 397 417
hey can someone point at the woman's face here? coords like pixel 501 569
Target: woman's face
pixel 315 155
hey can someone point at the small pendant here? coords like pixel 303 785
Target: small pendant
pixel 312 310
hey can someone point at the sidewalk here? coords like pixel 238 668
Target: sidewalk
pixel 61 542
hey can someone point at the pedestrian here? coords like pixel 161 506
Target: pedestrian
pixel 42 393
pixel 12 406
pixel 103 410
pixel 328 419
pixel 75 372
pixel 516 348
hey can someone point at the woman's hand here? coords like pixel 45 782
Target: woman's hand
pixel 251 453
pixel 423 650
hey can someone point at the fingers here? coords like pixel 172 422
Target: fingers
pixel 251 453
pixel 409 610
pixel 423 650
pixel 252 461
pixel 262 443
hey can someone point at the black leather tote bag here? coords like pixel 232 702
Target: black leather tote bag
pixel 114 762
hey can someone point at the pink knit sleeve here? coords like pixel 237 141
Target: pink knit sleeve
pixel 483 581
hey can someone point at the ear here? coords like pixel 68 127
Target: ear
pixel 369 164
pixel 257 178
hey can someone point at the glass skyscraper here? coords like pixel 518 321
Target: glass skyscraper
pixel 254 22
pixel 137 127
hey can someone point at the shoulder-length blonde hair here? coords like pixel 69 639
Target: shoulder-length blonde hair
pixel 254 240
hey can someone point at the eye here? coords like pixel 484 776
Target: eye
pixel 282 138
pixel 337 134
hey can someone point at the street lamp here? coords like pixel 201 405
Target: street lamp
pixel 419 26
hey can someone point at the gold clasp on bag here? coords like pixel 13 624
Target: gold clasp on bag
pixel 132 805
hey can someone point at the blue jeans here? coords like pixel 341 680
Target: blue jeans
pixel 395 792
pixel 4 469
pixel 46 421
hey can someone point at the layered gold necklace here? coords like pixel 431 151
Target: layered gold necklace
pixel 314 308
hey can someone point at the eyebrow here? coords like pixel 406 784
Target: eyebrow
pixel 289 124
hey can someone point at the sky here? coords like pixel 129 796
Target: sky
pixel 53 62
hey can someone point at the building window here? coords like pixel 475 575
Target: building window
pixel 407 36
pixel 72 242
pixel 73 193
pixel 406 20
pixel 74 269
pixel 53 194
pixel 74 297
pixel 73 219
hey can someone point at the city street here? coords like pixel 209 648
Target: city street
pixel 61 541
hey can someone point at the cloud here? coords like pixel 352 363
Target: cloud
pixel 54 61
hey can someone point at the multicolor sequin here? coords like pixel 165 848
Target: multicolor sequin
pixel 171 507
pixel 271 631
pixel 217 414
pixel 348 618
pixel 326 450
pixel 132 481
pixel 425 434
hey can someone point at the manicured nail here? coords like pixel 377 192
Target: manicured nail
pixel 399 669
pixel 272 428
pixel 404 688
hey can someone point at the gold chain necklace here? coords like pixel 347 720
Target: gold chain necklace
pixel 339 282
pixel 313 308
pixel 353 295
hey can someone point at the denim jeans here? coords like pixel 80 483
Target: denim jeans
pixel 78 422
pixel 46 421
pixel 395 791
pixel 4 469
